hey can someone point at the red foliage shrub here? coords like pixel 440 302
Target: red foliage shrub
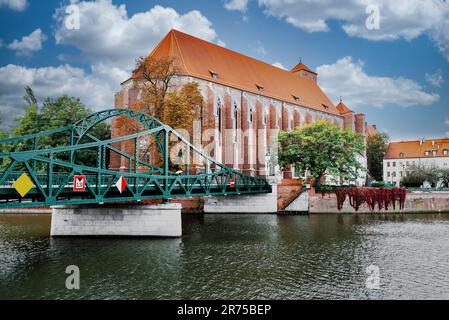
pixel 371 196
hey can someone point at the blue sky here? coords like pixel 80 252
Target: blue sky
pixel 397 74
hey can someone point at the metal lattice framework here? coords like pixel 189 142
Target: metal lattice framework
pixel 52 170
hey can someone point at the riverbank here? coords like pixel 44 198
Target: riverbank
pixel 416 202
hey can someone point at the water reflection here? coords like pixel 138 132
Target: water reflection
pixel 234 256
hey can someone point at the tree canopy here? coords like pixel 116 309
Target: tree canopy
pixel 54 113
pixel 322 148
pixel 158 75
pixel 181 104
pixel 415 176
pixel 376 147
pixel 162 97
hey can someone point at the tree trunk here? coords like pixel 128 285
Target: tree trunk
pixel 317 181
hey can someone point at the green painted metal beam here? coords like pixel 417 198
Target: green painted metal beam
pixel 53 185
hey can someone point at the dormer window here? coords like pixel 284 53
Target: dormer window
pixel 259 87
pixel 325 106
pixel 296 98
pixel 427 153
pixel 213 74
pixel 445 152
pixel 434 153
pixel 401 154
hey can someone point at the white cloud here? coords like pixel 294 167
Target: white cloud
pixel 260 49
pixel 109 42
pixel 405 19
pixel 348 79
pixel 237 5
pixel 95 90
pixel 436 79
pixel 28 44
pixel 108 35
pixel 279 65
pixel 18 5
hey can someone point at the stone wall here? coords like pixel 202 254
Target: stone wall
pixel 415 202
pixel 163 220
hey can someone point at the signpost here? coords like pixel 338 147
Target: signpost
pixel 121 184
pixel 79 183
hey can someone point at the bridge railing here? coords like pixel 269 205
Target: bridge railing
pixel 52 170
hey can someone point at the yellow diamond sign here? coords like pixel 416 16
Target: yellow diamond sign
pixel 23 185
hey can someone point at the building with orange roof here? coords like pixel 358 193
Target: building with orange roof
pixel 402 155
pixel 249 98
pixel 370 130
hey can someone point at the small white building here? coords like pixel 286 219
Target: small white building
pixel 402 155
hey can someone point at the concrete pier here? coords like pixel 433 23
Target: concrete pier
pixel 162 220
pixel 253 203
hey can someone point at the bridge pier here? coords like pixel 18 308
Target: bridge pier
pixel 162 220
pixel 252 203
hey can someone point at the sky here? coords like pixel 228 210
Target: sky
pixel 386 59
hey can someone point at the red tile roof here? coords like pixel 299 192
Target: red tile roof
pixel 196 57
pixel 414 149
pixel 342 108
pixel 301 66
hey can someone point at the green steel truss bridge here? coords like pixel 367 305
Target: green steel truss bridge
pixel 41 176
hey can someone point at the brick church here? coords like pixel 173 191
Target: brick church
pixel 247 102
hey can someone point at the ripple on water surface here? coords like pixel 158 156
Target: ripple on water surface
pixel 236 257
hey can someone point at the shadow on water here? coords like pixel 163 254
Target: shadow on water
pixel 234 256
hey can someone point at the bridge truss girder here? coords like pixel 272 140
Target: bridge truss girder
pixel 52 170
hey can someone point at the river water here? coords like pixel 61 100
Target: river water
pixel 235 257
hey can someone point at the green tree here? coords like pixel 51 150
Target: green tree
pixel 376 147
pixel 444 174
pixel 3 135
pixel 417 175
pixel 322 148
pixel 55 113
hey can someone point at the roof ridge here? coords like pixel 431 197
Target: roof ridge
pixel 196 56
pixel 235 52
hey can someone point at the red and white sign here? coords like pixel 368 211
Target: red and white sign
pixel 121 184
pixel 232 183
pixel 79 183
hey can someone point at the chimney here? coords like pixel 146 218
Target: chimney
pixel 360 123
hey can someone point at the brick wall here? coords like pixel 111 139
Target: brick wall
pixel 288 190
